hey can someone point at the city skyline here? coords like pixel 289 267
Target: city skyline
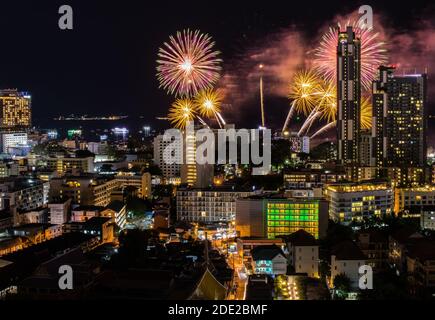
pixel 185 152
pixel 259 34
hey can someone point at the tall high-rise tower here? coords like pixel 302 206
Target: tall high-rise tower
pixel 348 99
pixel 399 126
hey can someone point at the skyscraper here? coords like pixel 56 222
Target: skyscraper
pixel 193 173
pixel 399 132
pixel 15 109
pixel 348 99
pixel 170 171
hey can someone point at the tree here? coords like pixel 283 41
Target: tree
pixel 132 245
pixel 324 269
pixel 342 285
pixel 138 206
pixel 84 154
pixel 281 152
pixel 154 170
pixel 161 191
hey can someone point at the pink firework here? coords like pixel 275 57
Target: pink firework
pixel 373 53
pixel 188 63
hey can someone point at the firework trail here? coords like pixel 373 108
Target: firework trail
pixel 262 98
pixel 221 118
pixel 289 115
pixel 324 128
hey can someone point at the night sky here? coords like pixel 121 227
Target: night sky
pixel 107 63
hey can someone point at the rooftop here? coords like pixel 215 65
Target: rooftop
pixel 267 252
pixel 96 222
pixel 88 208
pixel 116 205
pixel 301 238
pixel 347 250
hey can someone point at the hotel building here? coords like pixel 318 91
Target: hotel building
pixel 268 216
pixel 208 204
pixel 399 126
pixel 64 164
pixel 15 109
pixel 355 201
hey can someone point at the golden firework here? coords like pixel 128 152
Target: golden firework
pixel 366 113
pixel 328 102
pixel 304 91
pixel 208 102
pixel 180 112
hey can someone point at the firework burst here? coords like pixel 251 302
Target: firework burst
pixel 328 102
pixel 180 112
pixel 366 113
pixel 373 53
pixel 188 63
pixel 304 91
pixel 208 102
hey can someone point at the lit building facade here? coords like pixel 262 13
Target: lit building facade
pixel 193 173
pixel 272 216
pixel 417 197
pixel 84 190
pixel 23 195
pixel 64 164
pixel 8 169
pixel 16 110
pixel 208 204
pixel 348 98
pixel 140 181
pixel 13 139
pixel 310 178
pixel 299 144
pixel 169 170
pixel 427 218
pixel 356 201
pixel 399 126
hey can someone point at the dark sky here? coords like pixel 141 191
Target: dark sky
pixel 107 63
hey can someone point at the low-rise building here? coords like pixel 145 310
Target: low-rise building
pixel 398 243
pixel 268 260
pixel 347 258
pixel 309 178
pixel 374 244
pixel 84 213
pixel 427 218
pixel 420 262
pixel 39 215
pixel 87 189
pixel 64 164
pixel 417 197
pixel 142 181
pixel 37 232
pixel 59 211
pixel 303 253
pixel 8 168
pixel 245 245
pixel 21 194
pixel 117 211
pixel 208 204
pixel 101 227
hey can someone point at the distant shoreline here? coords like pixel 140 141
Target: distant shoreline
pixel 86 118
